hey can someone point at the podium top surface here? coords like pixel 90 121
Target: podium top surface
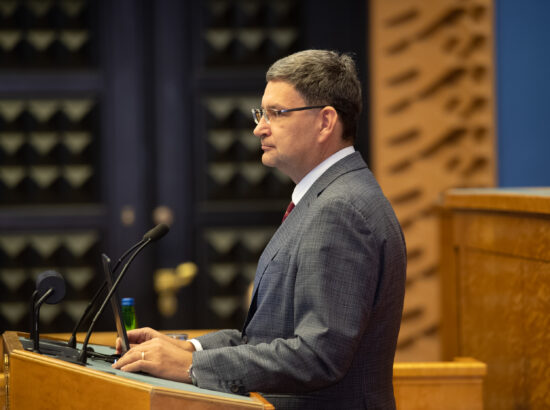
pixel 525 200
pixel 103 375
pixel 105 367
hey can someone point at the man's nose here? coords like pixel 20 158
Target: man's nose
pixel 262 128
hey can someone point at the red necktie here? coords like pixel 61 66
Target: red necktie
pixel 289 209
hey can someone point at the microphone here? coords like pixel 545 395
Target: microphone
pixel 153 235
pixel 156 233
pixel 50 288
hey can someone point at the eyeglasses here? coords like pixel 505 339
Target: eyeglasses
pixel 258 113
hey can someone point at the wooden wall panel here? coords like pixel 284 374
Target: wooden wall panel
pixel 504 319
pixel 432 128
pixel 494 313
pixel 496 277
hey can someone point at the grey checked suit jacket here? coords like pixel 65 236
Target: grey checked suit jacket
pixel 322 328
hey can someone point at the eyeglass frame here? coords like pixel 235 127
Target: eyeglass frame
pixel 263 113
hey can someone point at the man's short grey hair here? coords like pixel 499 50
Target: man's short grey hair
pixel 323 77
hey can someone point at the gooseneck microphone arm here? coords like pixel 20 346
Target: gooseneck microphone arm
pixel 152 234
pixel 125 254
pixel 50 288
pixel 83 353
pixel 39 303
pixel 33 314
pixel 72 340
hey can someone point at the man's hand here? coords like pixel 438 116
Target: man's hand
pixel 138 336
pixel 156 354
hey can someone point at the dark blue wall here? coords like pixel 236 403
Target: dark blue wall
pixel 523 92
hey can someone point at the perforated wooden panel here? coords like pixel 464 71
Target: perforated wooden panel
pixel 50 133
pixel 240 39
pixel 432 129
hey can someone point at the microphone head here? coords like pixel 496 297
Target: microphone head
pixel 157 232
pixel 54 280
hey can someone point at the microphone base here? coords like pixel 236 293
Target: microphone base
pixel 60 350
pixel 55 348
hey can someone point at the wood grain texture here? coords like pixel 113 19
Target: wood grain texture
pixel 164 400
pixel 2 391
pixel 433 128
pixel 40 382
pixel 497 278
pixel 456 385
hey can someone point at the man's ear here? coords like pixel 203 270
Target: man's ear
pixel 329 120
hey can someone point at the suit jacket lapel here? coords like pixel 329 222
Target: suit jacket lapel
pixel 350 163
pixel 347 164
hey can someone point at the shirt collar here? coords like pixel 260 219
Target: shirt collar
pixel 303 186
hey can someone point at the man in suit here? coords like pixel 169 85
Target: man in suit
pixel 326 307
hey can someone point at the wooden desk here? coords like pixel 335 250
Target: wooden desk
pixel 496 290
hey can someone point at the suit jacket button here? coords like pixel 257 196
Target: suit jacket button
pixel 245 339
pixel 234 388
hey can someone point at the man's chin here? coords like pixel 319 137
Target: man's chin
pixel 268 162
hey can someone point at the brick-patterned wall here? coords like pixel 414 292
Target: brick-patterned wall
pixel 433 128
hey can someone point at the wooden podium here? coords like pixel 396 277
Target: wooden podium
pixel 495 277
pixel 35 381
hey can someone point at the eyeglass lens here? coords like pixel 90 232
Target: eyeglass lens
pixel 257 114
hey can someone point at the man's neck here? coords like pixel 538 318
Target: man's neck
pixel 307 181
pixel 321 157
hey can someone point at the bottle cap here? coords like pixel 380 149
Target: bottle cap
pixel 127 301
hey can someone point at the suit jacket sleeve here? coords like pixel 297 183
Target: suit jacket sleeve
pixel 226 337
pixel 334 263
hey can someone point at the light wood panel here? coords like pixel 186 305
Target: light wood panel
pixel 432 128
pixel 496 289
pixel 456 385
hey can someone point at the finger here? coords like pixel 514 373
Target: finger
pixel 131 356
pixel 119 346
pixel 140 366
pixel 136 362
pixel 119 363
pixel 137 336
